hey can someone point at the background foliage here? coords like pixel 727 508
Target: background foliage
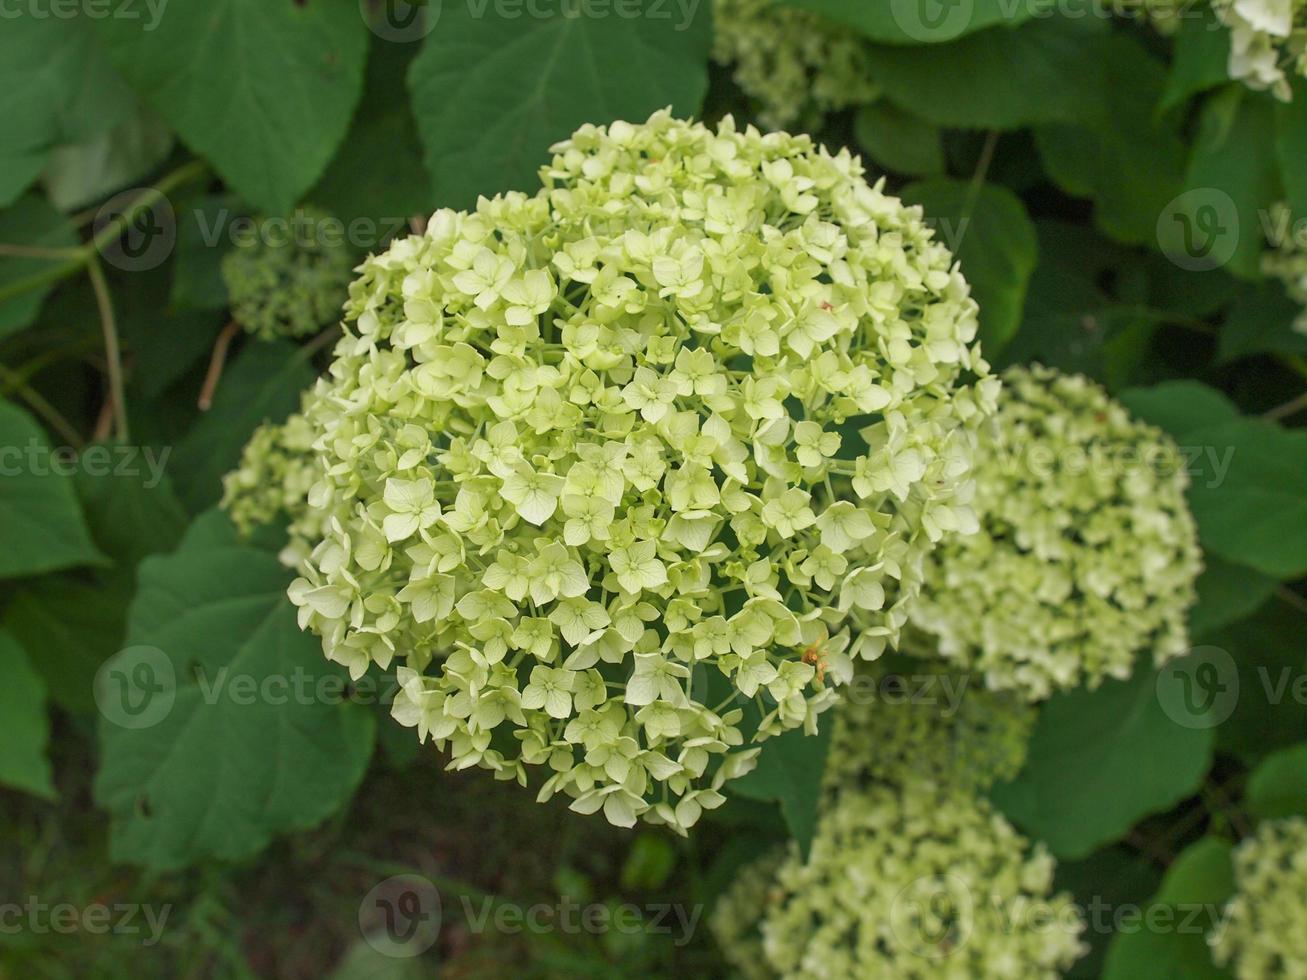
pixel 1067 156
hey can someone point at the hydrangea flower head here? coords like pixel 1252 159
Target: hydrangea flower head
pixel 1087 553
pixel 795 64
pixel 604 463
pixel 1264 932
pixel 912 881
pixel 917 719
pixel 1268 42
pixel 291 277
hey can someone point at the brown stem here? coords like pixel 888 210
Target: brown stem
pixel 216 363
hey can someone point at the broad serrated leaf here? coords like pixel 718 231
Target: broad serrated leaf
pixel 923 21
pixel 1227 593
pixel 1072 322
pixel 899 141
pixel 262 385
pixel 1129 161
pixel 1231 181
pixel 1270 711
pixel 789 772
pixel 384 188
pixel 41 524
pixel 1248 492
pixel 263 89
pixel 1291 146
pixel 81 173
pixel 31 221
pixel 56 87
pixel 1201 59
pixel 1278 786
pixel 72 625
pixel 989 232
pixel 492 93
pixel 129 502
pixel 1180 407
pixel 1047 70
pixel 224 764
pixel 1108 880
pixel 24 725
pixel 1102 760
pixel 1187 906
pixel 1261 322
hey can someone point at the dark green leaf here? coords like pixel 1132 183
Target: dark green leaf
pixel 1201 59
pixel 1291 146
pixel 24 725
pixel 1260 322
pixel 222 731
pixel 899 141
pixel 492 93
pixel 263 89
pixel 1045 71
pixel 1278 787
pixel 1104 884
pixel 1169 942
pixel 72 626
pixel 992 237
pixel 1102 760
pixel 789 771
pixel 1227 593
pixel 922 21
pixel 81 173
pixel 40 523
pixel 29 222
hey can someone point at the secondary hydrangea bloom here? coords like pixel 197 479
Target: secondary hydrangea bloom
pixel 797 65
pixel 291 277
pixel 278 468
pixel 604 462
pixel 1287 261
pixel 918 881
pixel 1264 935
pixel 1268 42
pixel 1087 553
pixel 921 719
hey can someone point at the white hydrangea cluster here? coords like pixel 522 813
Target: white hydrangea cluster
pixel 1087 553
pixel 918 719
pixel 1287 261
pixel 1268 42
pixel 795 64
pixel 912 882
pixel 602 464
pixel 1264 933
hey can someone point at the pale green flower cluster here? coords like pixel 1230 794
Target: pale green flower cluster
pixel 1268 42
pixel 289 277
pixel 795 64
pixel 1264 932
pixel 277 469
pixel 604 463
pixel 1087 553
pixel 922 720
pixel 1287 261
pixel 903 882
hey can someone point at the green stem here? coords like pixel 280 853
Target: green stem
pixel 79 258
pixel 15 382
pixel 112 350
